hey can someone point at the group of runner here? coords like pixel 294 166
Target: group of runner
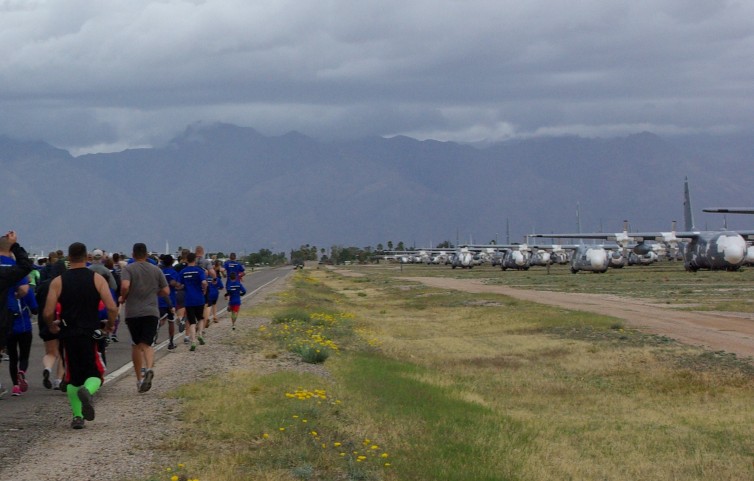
pixel 79 306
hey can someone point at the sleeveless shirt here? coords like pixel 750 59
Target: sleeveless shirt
pixel 79 302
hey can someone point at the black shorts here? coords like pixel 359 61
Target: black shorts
pixel 82 360
pixel 44 331
pixel 165 313
pixel 143 329
pixel 194 314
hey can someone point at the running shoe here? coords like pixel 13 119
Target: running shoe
pixel 186 339
pixel 146 383
pixel 87 408
pixel 193 347
pixel 77 423
pixel 201 341
pixel 114 338
pixel 16 391
pixel 181 325
pixel 22 381
pixel 63 385
pixel 46 379
pixel 171 347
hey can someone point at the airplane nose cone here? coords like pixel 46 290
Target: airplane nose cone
pixel 733 248
pixel 598 258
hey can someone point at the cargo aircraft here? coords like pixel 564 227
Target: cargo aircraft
pixel 714 250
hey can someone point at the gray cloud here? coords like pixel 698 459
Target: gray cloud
pixel 90 75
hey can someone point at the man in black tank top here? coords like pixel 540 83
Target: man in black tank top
pixel 79 291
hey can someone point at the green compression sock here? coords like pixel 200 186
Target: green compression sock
pixel 93 384
pixel 73 399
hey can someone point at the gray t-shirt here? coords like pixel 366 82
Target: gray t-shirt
pixel 146 281
pixel 104 272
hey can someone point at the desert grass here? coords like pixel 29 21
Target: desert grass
pixel 603 402
pixel 438 384
pixel 666 283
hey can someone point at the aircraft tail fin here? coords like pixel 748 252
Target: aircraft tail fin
pixel 688 215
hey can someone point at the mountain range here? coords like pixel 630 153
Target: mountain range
pixel 232 189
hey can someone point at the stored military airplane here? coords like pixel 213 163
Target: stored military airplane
pixel 749 260
pixel 508 256
pixel 462 257
pixel 714 250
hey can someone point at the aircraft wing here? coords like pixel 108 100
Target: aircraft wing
pixel 730 210
pixel 620 237
pixel 695 234
pixel 624 238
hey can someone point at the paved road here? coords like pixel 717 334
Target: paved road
pixel 118 356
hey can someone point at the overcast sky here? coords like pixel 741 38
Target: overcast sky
pixel 96 75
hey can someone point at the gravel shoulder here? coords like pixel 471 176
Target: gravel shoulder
pixel 730 332
pixel 119 444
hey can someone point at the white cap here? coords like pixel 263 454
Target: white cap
pixel 97 254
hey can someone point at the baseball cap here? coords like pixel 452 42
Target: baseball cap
pixel 97 254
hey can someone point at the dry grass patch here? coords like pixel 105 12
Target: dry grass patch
pixel 605 403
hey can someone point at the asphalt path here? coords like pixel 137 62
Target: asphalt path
pixel 118 354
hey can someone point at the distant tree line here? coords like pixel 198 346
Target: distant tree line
pixel 266 257
pixel 338 254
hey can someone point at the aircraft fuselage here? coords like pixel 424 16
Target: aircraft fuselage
pixel 722 250
pixel 590 258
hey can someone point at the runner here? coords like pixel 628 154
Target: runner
pixel 232 265
pixel 194 282
pixel 214 286
pixel 10 275
pixel 52 358
pixel 166 264
pixel 119 264
pixel 97 264
pixel 19 343
pixel 79 291
pixel 234 290
pixel 141 283
pixel 180 294
pixel 209 271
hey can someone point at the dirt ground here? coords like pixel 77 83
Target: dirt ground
pixel 717 331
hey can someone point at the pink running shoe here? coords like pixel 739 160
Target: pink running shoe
pixel 22 381
pixel 16 391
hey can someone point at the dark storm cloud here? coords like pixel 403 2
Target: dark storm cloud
pixel 136 72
